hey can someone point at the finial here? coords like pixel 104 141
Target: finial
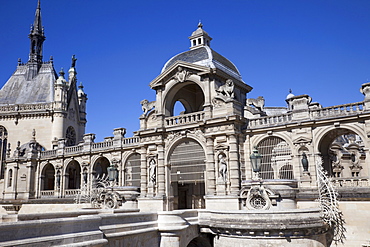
pixel 61 72
pixel 200 25
pixel 51 59
pixel 74 59
pixel 19 61
pixel 81 86
pixel 290 90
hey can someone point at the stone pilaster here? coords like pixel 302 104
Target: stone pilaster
pixel 161 172
pixel 234 165
pixel 143 172
pixel 210 168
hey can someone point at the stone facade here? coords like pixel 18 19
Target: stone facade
pixel 193 168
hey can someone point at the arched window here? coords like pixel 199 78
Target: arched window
pixel 101 167
pixel 70 136
pixel 48 178
pixel 132 171
pixel 188 175
pixel 276 159
pixel 3 144
pixel 10 177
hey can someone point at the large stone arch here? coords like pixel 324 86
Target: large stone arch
pixel 186 157
pixel 72 175
pixel 322 131
pixel 190 93
pixel 201 241
pixel 100 167
pixel 277 162
pixel 48 177
pixel 132 170
pixel 342 152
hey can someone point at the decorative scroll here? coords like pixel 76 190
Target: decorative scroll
pixel 329 204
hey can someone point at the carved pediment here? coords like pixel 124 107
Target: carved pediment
pixel 221 147
pixel 179 71
pixel 302 140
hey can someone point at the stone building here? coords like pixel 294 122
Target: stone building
pixel 190 173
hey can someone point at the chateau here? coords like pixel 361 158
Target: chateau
pixel 225 171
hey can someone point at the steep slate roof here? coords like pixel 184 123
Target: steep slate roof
pixel 32 82
pixel 18 90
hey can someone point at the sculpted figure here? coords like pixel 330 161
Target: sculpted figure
pixel 147 106
pixel 181 74
pixel 227 89
pixel 259 103
pixel 152 170
pixel 74 59
pixel 222 167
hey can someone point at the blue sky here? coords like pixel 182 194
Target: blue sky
pixel 315 47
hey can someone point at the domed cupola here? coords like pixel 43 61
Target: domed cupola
pixel 199 38
pixel 200 53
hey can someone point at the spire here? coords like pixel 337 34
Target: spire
pixel 199 37
pixel 36 37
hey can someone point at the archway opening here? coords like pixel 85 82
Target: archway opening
pixel 187 175
pixel 48 177
pixel 73 175
pixel 189 94
pixel 132 171
pixel 276 158
pixel 205 240
pixel 178 108
pixel 342 152
pixel 100 168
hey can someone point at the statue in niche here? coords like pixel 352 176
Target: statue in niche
pixel 152 171
pixel 227 89
pixel 222 167
pixel 304 162
pixel 147 106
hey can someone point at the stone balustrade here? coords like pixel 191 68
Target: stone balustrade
pixel 351 182
pixel 102 145
pixel 314 114
pixel 26 107
pixel 71 192
pixel 95 147
pixel 339 110
pixel 47 193
pixel 48 153
pixel 73 149
pixel 270 121
pixel 184 119
pixel 130 141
